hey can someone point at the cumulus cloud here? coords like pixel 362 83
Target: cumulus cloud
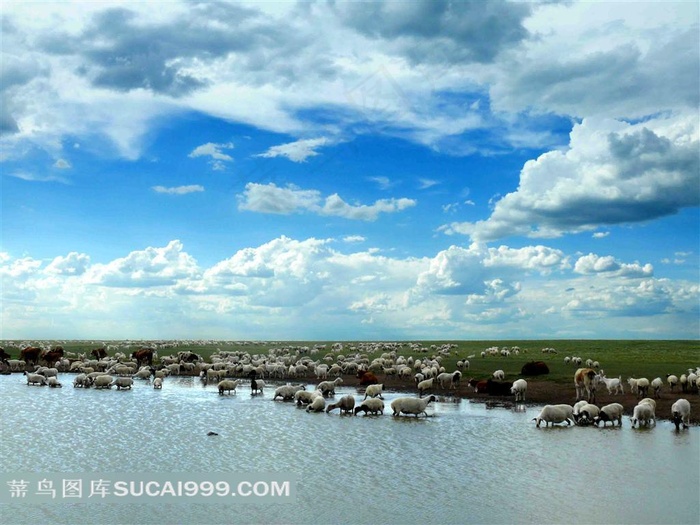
pixel 611 173
pixel 179 190
pixel 269 198
pixel 146 268
pixel 270 289
pixel 297 151
pixel 594 264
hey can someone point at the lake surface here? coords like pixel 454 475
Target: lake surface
pixel 466 464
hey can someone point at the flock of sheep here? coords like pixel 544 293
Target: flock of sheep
pixel 286 364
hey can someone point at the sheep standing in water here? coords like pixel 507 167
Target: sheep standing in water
pixel 411 405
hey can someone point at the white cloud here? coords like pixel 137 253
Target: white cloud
pixel 62 164
pixel 179 190
pixel 269 198
pixel 214 151
pixel 267 291
pixel 35 177
pixel 612 173
pixel 297 151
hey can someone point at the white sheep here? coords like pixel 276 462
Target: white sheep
pixel 102 381
pixel 346 405
pixel 123 382
pixel 642 386
pixel 680 413
pixel 373 406
pixel 317 405
pixel 158 383
pixel 54 383
pixel 411 405
pixel 519 388
pixel 425 385
pixel 256 386
pixel 643 414
pixel 612 412
pixel 374 391
pixel 81 381
pixel 286 392
pixel 656 385
pixel 228 385
pixel 555 414
pixel 35 379
pixel 449 380
pixel 672 381
pixel 302 397
pixel 586 414
pixel 499 375
pixel 327 388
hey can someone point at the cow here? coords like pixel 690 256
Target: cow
pixel 534 368
pixel 143 356
pixel 585 380
pixel 4 355
pixel 52 356
pixel 479 386
pixel 367 378
pixel 498 388
pixel 30 354
pixel 99 353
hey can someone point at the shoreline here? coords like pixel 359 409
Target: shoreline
pixel 543 392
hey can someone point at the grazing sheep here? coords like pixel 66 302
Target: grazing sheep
pixel 684 382
pixel 286 392
pixel 327 388
pixel 499 375
pixel 53 383
pixel 158 383
pixel 672 381
pixel 228 385
pixel 373 405
pixel 35 379
pixel 555 414
pixel 317 405
pixel 680 412
pixel 411 405
pixel 519 388
pixel 374 391
pixel 642 387
pixel 346 405
pixel 612 412
pixel 123 382
pixel 425 385
pixel 656 385
pixel 643 414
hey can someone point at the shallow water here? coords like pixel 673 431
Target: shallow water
pixel 466 464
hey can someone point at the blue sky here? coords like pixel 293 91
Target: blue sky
pixel 374 170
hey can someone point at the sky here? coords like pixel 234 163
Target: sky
pixel 415 170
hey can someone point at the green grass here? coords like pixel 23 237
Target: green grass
pixel 638 358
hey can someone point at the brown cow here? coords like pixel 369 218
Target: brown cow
pixel 144 355
pixel 367 378
pixel 30 354
pixel 99 353
pixel 52 356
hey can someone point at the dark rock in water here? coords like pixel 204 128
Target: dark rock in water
pixel 212 434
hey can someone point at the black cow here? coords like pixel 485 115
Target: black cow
pixel 534 368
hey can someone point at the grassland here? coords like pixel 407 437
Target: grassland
pixel 638 358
